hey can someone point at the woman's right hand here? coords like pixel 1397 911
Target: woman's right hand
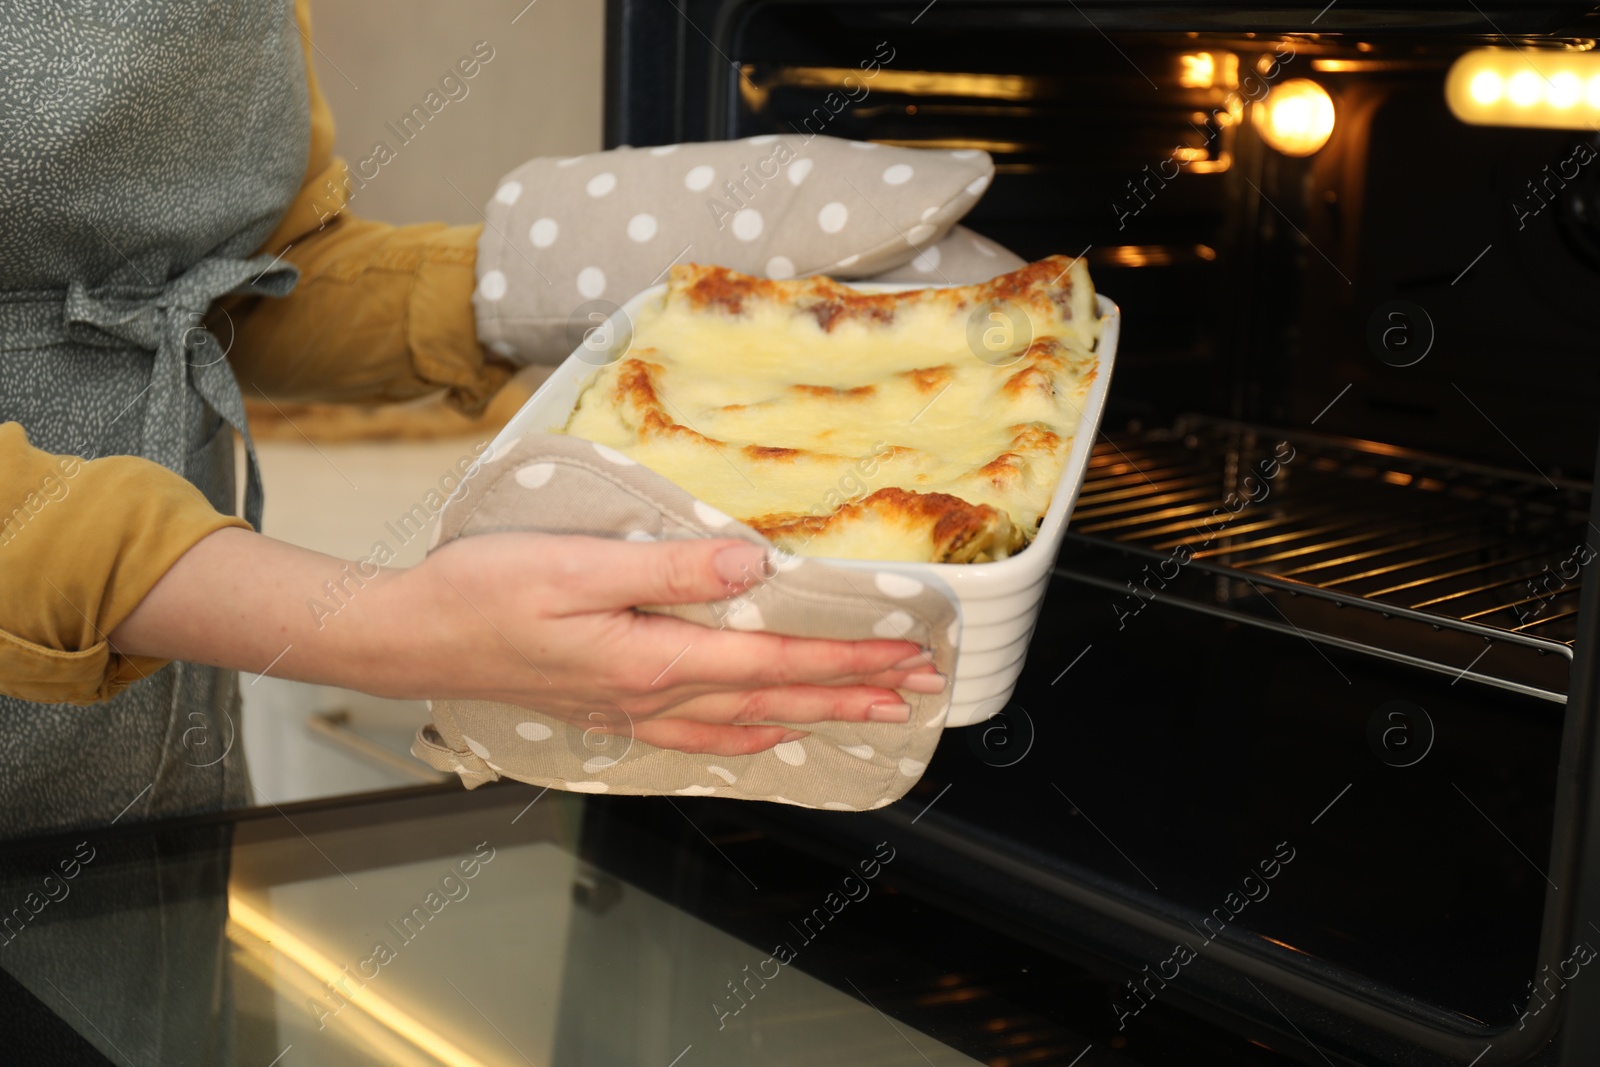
pixel 542 621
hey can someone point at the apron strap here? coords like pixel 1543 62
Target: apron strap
pixel 187 355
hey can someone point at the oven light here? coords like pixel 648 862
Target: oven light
pixel 1296 118
pixel 1511 87
pixel 1486 87
pixel 1525 88
pixel 1565 89
pixel 1197 70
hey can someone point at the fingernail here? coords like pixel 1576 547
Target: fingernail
pixel 793 735
pixel 924 683
pixel 911 663
pixel 740 564
pixel 889 713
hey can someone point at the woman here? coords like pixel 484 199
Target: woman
pixel 161 164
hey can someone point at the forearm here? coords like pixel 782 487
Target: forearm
pixel 543 621
pixel 81 543
pixel 243 601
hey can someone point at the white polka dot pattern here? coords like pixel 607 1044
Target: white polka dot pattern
pixel 893 625
pixel 911 767
pixel 611 455
pixel 745 616
pixel 723 773
pixel 534 731
pixel 642 227
pixel 747 224
pixel 699 179
pixel 964 258
pixel 759 221
pixel 858 751
pixel 787 561
pixel 591 282
pixel 927 261
pixel 791 752
pixel 588 787
pixel 696 791
pixel 710 515
pixel 899 586
pixel 535 475
pixel 543 232
pixel 492 286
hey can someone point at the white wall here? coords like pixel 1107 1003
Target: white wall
pixel 539 95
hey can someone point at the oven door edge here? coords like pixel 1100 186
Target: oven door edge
pixel 1573 916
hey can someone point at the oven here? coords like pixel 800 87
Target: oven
pixel 1305 738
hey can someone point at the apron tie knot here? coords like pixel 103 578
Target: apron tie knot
pixel 167 321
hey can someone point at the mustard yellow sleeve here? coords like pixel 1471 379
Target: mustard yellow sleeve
pixel 381 312
pixel 81 543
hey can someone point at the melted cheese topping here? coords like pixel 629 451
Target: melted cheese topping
pixel 856 425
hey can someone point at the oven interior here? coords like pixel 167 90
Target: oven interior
pixel 1324 583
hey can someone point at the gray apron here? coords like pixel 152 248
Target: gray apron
pixel 146 149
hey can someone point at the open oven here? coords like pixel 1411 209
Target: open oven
pixel 1305 739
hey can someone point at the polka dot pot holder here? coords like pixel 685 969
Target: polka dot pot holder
pixel 557 484
pixel 961 258
pixel 567 237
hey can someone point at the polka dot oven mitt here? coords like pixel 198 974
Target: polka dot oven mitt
pixel 961 258
pixel 560 234
pixel 565 485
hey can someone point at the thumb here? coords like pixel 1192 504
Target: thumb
pixel 611 575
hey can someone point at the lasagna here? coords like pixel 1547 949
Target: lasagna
pixel 928 425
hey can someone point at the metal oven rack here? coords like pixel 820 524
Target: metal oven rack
pixel 1420 559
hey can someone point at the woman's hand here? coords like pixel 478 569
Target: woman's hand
pixel 542 621
pixel 547 622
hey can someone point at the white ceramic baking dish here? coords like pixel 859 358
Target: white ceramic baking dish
pixel 999 601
